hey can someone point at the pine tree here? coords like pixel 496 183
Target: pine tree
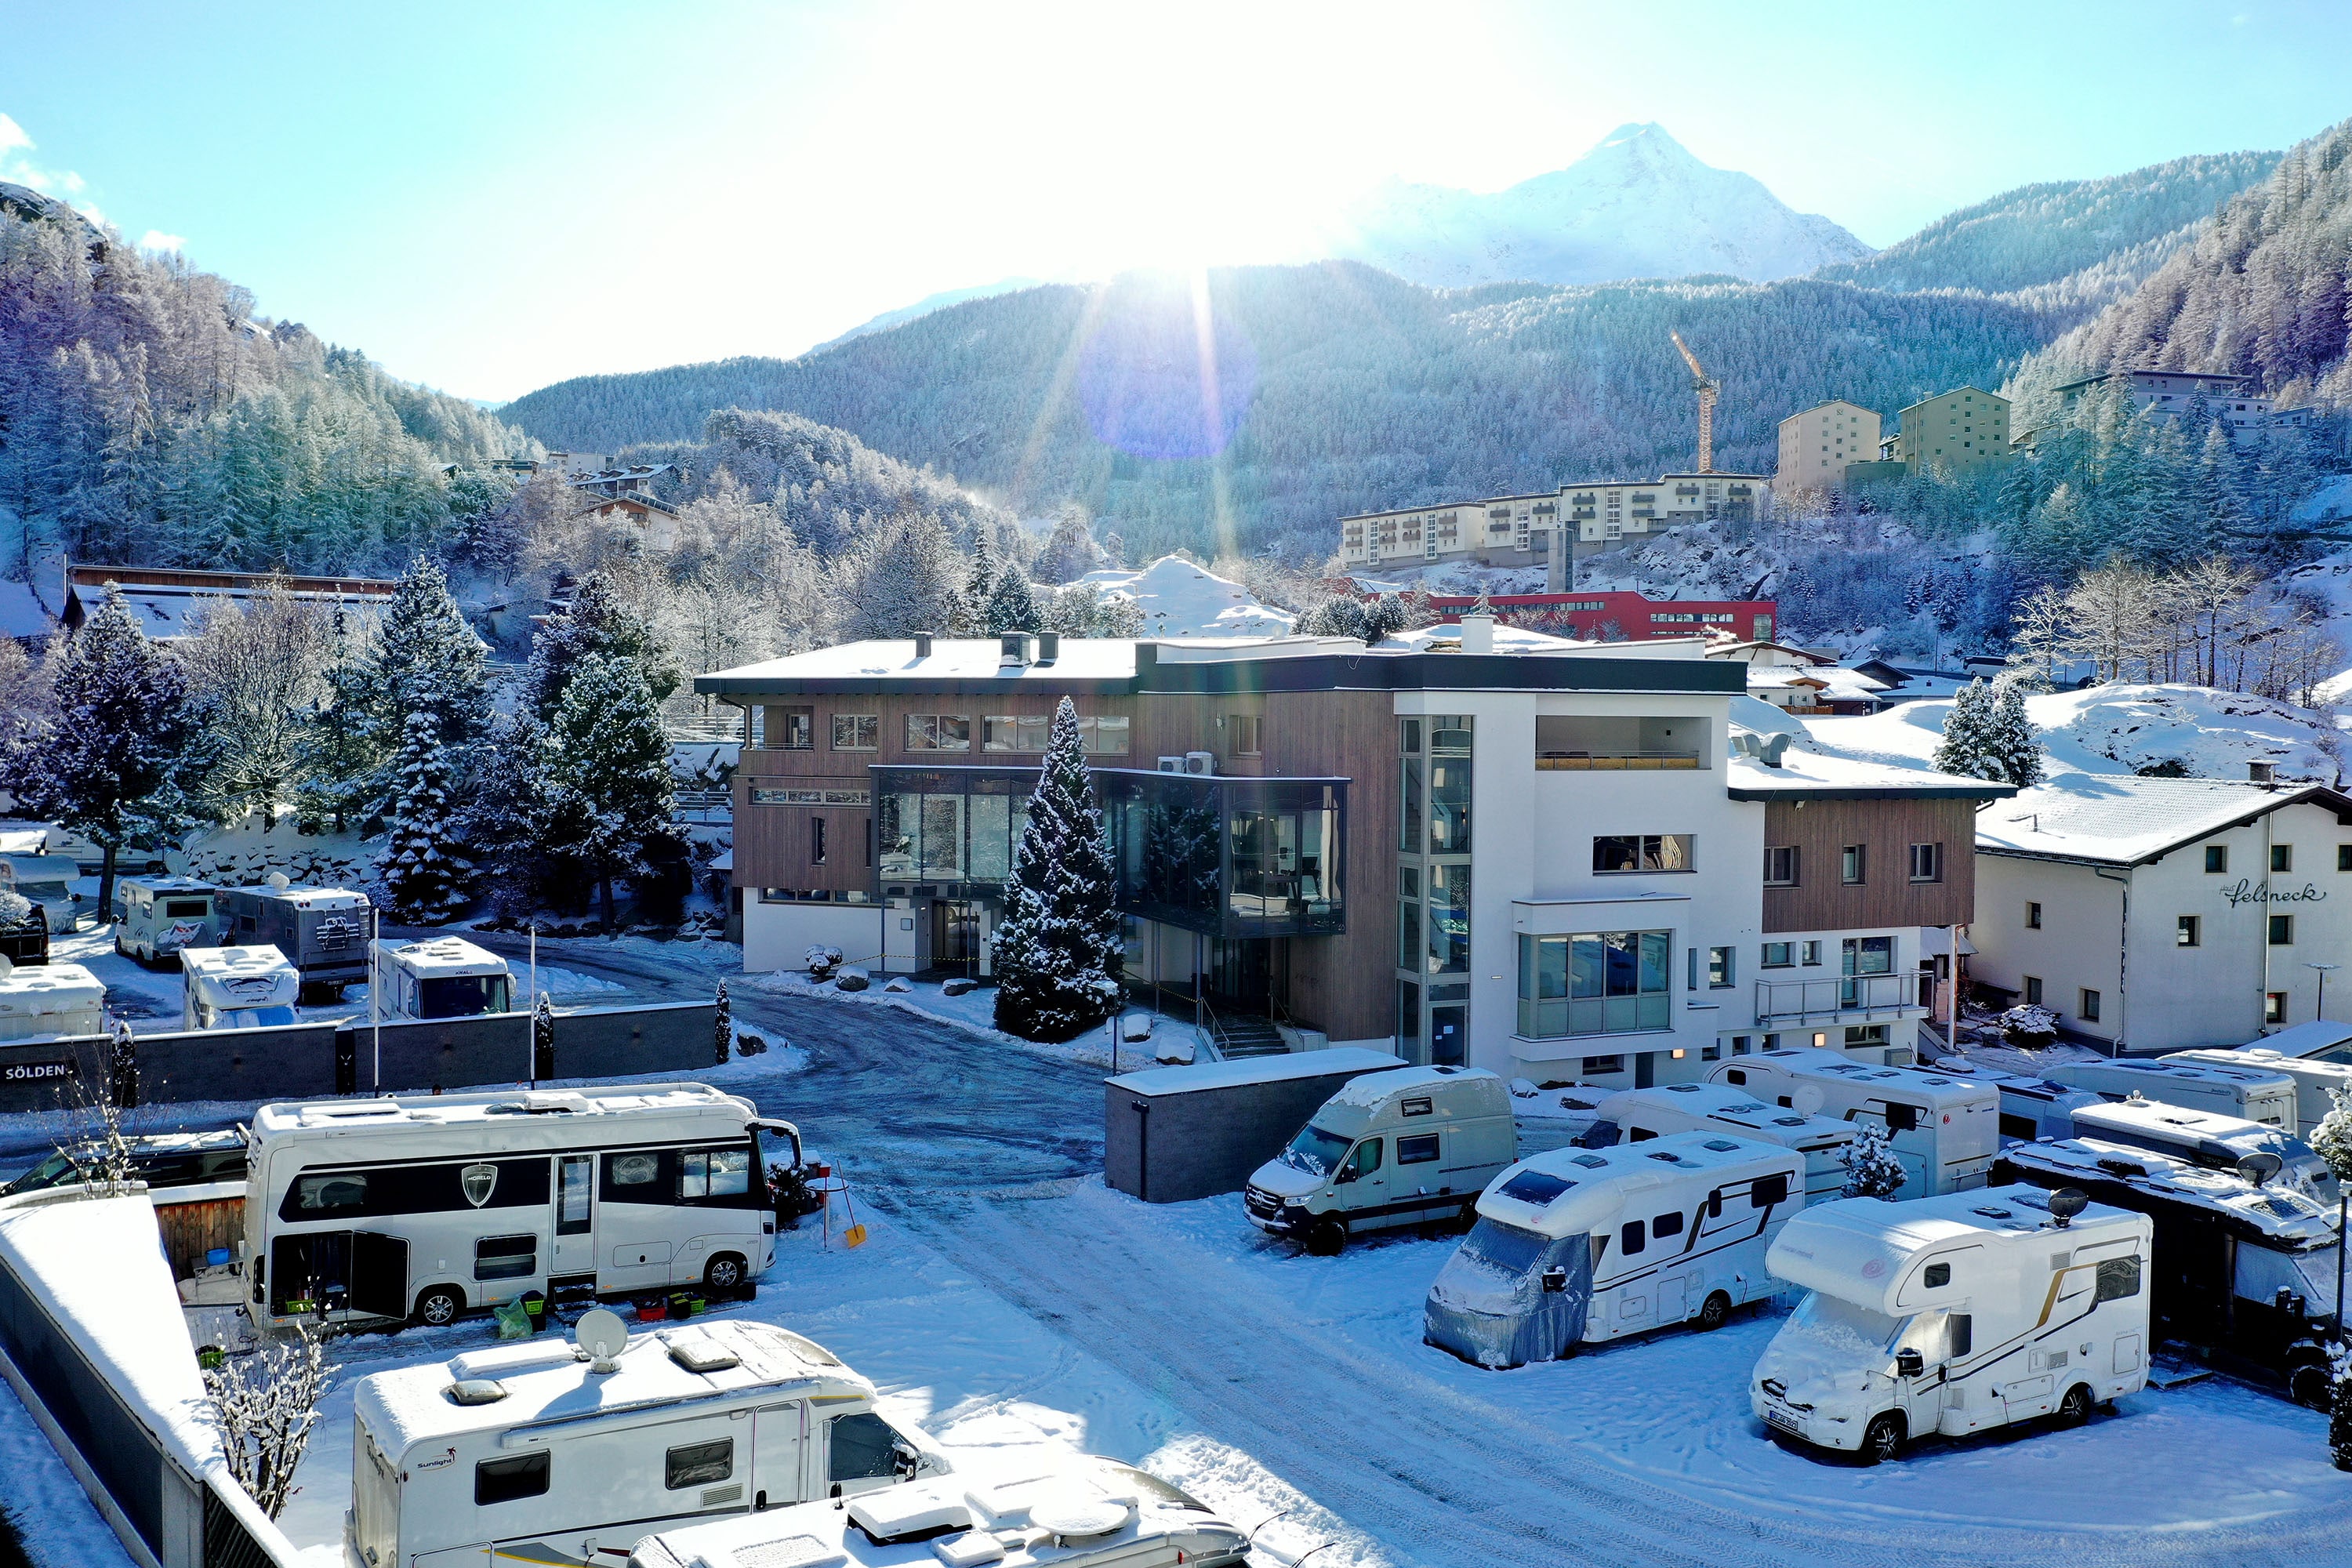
pixel 610 794
pixel 427 658
pixel 426 874
pixel 1070 552
pixel 971 609
pixel 1386 614
pixel 600 622
pixel 507 821
pixel 1057 947
pixel 334 758
pixel 104 762
pixel 1872 1168
pixel 2013 742
pixel 1012 605
pixel 722 1014
pixel 1966 750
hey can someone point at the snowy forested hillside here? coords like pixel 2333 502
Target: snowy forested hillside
pixel 2262 292
pixel 147 415
pixel 2037 236
pixel 1637 206
pixel 1340 388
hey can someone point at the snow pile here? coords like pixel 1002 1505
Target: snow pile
pixel 1180 599
pixel 244 856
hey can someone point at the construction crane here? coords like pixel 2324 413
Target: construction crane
pixel 1706 387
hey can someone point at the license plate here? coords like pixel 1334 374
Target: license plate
pixel 1784 1421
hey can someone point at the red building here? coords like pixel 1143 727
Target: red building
pixel 1628 617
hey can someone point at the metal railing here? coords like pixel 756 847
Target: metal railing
pixel 1846 997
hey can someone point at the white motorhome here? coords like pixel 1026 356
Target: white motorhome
pixel 2315 1077
pixel 1584 1245
pixel 1953 1314
pixel 537 1453
pixel 2245 1269
pixel 2031 1108
pixel 47 880
pixel 438 977
pixel 1638 1115
pixel 421 1207
pixel 2253 1093
pixel 1072 1512
pixel 236 988
pixel 43 1000
pixel 2322 1040
pixel 2205 1138
pixel 1944 1129
pixel 156 916
pixel 1406 1147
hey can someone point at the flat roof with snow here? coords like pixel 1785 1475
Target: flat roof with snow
pixel 1257 1069
pixel 2123 819
pixel 442 1109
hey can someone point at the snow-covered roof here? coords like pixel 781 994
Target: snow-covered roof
pixel 442 1109
pixel 2277 1210
pixel 2123 819
pixel 22 614
pixel 1599 1181
pixel 443 955
pixel 2305 1039
pixel 1842 685
pixel 1257 1069
pixel 255 976
pixel 951 658
pixel 41 990
pixel 1370 1093
pixel 1821 775
pixel 1860 1249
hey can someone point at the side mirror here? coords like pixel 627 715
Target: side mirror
pixel 1909 1364
pixel 1555 1279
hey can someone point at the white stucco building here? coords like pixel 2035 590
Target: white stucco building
pixel 2159 914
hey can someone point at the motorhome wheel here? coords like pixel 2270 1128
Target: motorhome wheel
pixel 1714 1310
pixel 2308 1386
pixel 2074 1409
pixel 724 1272
pixel 438 1306
pixel 1326 1237
pixel 1883 1439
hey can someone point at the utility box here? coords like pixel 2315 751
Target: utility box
pixel 1172 1135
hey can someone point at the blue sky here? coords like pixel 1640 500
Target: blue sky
pixel 490 197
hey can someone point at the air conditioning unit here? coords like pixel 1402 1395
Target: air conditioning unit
pixel 1171 764
pixel 1200 762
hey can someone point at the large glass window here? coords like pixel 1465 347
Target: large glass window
pixel 856 731
pixel 1409 790
pixel 1641 852
pixel 938 732
pixel 1029 733
pixel 1449 805
pixel 1449 919
pixel 1601 983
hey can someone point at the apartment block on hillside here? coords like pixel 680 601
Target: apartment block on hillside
pixel 1818 442
pixel 1956 432
pixel 2181 394
pixel 1562 863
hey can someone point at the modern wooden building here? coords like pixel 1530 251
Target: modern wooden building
pixel 1551 858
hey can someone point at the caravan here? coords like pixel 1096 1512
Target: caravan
pixel 1638 1115
pixel 1953 1314
pixel 48 1001
pixel 2244 1270
pixel 1944 1129
pixel 421 1208
pixel 236 988
pixel 323 931
pixel 2253 1094
pixel 46 880
pixel 2316 1078
pixel 439 977
pixel 537 1453
pixel 1582 1245
pixel 156 916
pixel 2203 1138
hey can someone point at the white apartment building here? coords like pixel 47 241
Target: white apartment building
pixel 2160 914
pixel 1502 530
pixel 2176 394
pixel 1818 442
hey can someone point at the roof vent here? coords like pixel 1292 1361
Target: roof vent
pixel 2262 773
pixel 1016 647
pixel 476 1391
pixel 1049 647
pixel 922 644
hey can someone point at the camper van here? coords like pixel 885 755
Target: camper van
pixel 2244 1272
pixel 1944 1129
pixel 51 999
pixel 2313 1078
pixel 1638 1115
pixel 1405 1147
pixel 2203 1138
pixel 1053 1512
pixel 2252 1093
pixel 2321 1041
pixel 1584 1245
pixel 236 988
pixel 423 1207
pixel 542 1453
pixel 46 880
pixel 441 977
pixel 155 917
pixel 1953 1314
pixel 2031 1108
pixel 323 931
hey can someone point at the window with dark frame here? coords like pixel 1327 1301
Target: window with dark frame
pixel 507 1478
pixel 816 840
pixel 2282 931
pixel 2033 991
pixel 2033 916
pixel 1927 862
pixel 1242 729
pixel 1718 968
pixel 1850 865
pixel 2190 931
pixel 795 730
pixel 698 1464
pixel 2282 857
pixel 2274 1007
pixel 856 731
pixel 2217 859
pixel 2344 856
pixel 1621 852
pixel 2087 1007
pixel 938 732
pixel 1781 865
pixel 1779 955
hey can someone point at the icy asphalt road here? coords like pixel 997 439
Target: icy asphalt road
pixel 988 1152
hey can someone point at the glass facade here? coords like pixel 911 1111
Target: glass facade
pixel 1433 840
pixel 1597 983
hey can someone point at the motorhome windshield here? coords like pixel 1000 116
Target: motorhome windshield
pixel 257 1017
pixel 1841 1329
pixel 460 996
pixel 1505 1248
pixel 1315 1152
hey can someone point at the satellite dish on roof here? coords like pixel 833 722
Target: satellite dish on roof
pixel 280 881
pixel 2260 1167
pixel 1808 1099
pixel 2066 1203
pixel 603 1336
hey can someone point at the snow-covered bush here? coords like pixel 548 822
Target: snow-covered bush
pixel 723 1025
pixel 268 1404
pixel 2029 1024
pixel 2332 1139
pixel 1872 1169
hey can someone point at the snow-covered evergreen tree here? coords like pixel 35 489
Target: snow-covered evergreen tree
pixel 334 756
pixel 427 659
pixel 611 797
pixel 722 1014
pixel 103 759
pixel 2014 744
pixel 1337 616
pixel 1966 750
pixel 599 621
pixel 1872 1168
pixel 1384 615
pixel 1012 604
pixel 1057 947
pixel 423 866
pixel 907 580
pixel 1070 552
pixel 506 819
pixel 971 609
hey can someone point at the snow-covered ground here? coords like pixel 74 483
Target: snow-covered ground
pixel 1182 600
pixel 976 1011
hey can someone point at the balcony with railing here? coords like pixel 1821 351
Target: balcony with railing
pixel 1839 999
pixel 1595 744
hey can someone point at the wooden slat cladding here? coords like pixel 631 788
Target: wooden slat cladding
pixel 1821 829
pixel 1346 986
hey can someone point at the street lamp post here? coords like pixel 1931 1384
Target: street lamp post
pixel 2322 968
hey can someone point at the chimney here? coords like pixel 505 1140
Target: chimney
pixel 1015 650
pixel 1478 626
pixel 1049 647
pixel 922 644
pixel 2260 772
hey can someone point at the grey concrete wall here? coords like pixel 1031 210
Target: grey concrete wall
pixel 1197 1145
pixel 292 1062
pixel 674 1037
pixel 423 1054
